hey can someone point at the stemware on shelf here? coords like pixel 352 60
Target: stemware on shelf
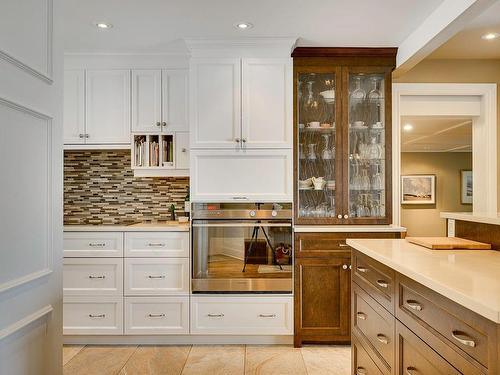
pixel 358 93
pixel 374 93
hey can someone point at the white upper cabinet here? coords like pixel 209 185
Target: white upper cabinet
pixel 267 103
pixel 74 106
pixel 108 106
pixel 182 150
pixel 146 100
pixel 175 88
pixel 215 105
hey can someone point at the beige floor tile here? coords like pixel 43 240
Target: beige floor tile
pixel 69 351
pixel 327 360
pixel 157 360
pixel 274 360
pixel 215 360
pixel 99 360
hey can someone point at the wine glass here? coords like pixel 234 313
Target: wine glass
pixel 327 153
pixel 374 93
pixel 358 93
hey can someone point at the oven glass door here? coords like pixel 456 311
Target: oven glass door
pixel 242 255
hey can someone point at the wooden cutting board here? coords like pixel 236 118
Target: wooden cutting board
pixel 448 243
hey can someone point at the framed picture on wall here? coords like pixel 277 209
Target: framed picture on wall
pixel 466 187
pixel 418 189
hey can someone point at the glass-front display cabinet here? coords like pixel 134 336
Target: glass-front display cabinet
pixel 342 128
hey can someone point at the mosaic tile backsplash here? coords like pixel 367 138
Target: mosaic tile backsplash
pixel 100 188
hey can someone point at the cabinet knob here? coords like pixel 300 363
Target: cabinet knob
pixel 361 371
pixel 158 123
pixel 237 140
pixel 183 150
pixel 346 216
pixel 164 123
pixel 410 370
pixel 243 140
pixel 345 266
pixel 81 135
pixel 339 216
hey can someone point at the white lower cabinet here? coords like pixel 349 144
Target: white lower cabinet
pixel 93 315
pixel 156 315
pixel 93 244
pixel 157 244
pixel 92 276
pixel 242 315
pixel 156 276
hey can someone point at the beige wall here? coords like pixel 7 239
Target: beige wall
pixel 458 71
pixel 424 220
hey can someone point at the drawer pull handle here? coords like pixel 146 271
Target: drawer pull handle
pixel 361 315
pixel 343 245
pixel 154 244
pixel 463 339
pixel 383 339
pixel 100 316
pixel 97 244
pixel 410 370
pixel 267 315
pixel 362 269
pixel 156 277
pixel 102 277
pixel 361 371
pixel 156 315
pixel 383 283
pixel 215 315
pixel 414 305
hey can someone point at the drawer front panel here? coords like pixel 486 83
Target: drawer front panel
pixel 242 315
pixel 93 315
pixel 156 315
pixel 93 244
pixel 157 244
pixel 374 323
pixel 419 306
pixel 156 276
pixel 378 280
pixel 362 362
pixel 88 276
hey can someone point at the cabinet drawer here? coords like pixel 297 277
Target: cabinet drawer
pixel 375 278
pixel 242 315
pixel 415 357
pixel 156 276
pixel 419 307
pixel 92 276
pixel 157 244
pixel 362 363
pixel 156 315
pixel 93 244
pixel 93 315
pixel 374 323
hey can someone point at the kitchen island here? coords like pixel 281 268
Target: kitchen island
pixel 421 311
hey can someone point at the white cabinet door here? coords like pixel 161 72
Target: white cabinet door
pixel 175 100
pixel 182 150
pixel 215 113
pixel 108 106
pixel 74 106
pixel 157 244
pixel 243 175
pixel 267 103
pixel 146 100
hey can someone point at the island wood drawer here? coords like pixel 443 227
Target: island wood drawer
pixel 157 244
pixel 93 315
pixel 375 278
pixel 92 276
pixel 156 276
pixel 242 315
pixel 93 244
pixel 421 308
pixel 374 323
pixel 362 363
pixel 156 315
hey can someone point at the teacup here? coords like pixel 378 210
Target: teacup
pixel 318 182
pixel 303 184
pixel 313 124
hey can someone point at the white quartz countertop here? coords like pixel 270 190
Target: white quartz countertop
pixel 170 226
pixel 467 277
pixel 485 218
pixel 347 228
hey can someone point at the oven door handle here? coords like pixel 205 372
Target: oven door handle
pixel 240 224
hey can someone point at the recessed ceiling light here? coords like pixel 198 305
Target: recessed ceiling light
pixel 408 127
pixel 490 36
pixel 243 25
pixel 104 25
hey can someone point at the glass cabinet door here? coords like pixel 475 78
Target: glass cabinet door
pixel 366 142
pixel 317 146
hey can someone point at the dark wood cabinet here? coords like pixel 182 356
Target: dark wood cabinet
pixel 342 135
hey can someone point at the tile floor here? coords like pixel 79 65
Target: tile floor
pixel 206 360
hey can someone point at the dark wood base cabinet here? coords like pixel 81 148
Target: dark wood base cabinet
pixel 403 328
pixel 323 286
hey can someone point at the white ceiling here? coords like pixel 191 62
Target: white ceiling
pixel 160 25
pixel 437 134
pixel 467 44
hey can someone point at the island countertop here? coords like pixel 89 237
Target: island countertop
pixel 467 277
pixel 168 226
